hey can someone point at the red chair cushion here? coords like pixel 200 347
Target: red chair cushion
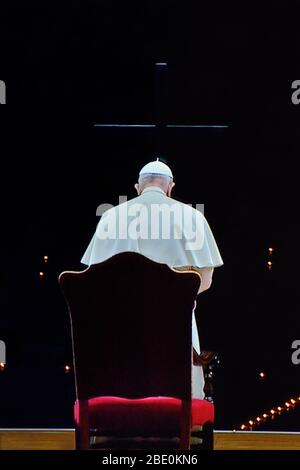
pixel 114 414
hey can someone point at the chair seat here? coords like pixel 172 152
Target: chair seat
pixel 143 416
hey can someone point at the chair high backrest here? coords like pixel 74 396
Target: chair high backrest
pixel 131 321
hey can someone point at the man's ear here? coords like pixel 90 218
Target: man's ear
pixel 171 186
pixel 137 187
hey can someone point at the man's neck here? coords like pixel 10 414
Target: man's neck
pixel 153 188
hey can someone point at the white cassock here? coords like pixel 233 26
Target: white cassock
pixel 179 237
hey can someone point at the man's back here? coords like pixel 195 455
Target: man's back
pixel 158 227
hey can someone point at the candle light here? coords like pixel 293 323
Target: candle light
pixel 270 264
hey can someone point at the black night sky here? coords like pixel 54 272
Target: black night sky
pixel 70 65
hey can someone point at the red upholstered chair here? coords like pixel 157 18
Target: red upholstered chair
pixel 131 322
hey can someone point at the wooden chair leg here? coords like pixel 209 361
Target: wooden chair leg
pixel 208 436
pixel 83 432
pixel 185 425
pixel 77 437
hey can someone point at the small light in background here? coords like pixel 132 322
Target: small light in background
pixel 287 404
pixel 262 375
pixel 251 422
pixel 271 251
pixel 41 274
pixel 67 369
pixel 243 427
pixel 270 264
pixel 272 412
pixel 293 401
pixel 279 408
pixel 46 258
pixel 2 366
pixel 265 415
pixel 258 419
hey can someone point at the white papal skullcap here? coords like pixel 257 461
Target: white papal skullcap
pixel 156 168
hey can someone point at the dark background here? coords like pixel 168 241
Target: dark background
pixel 70 65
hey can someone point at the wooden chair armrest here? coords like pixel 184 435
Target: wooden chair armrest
pixel 205 358
pixel 208 360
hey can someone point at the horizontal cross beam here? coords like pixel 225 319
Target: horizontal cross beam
pixel 185 126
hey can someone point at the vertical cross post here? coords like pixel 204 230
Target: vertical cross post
pixel 160 102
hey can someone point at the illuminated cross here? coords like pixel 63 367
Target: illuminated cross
pixel 160 123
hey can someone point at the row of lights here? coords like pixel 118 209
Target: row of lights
pixel 254 422
pixel 288 405
pixel 67 367
pixel 270 263
pixel 41 273
pixel 259 419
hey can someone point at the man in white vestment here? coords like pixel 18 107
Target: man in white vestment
pixel 162 229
